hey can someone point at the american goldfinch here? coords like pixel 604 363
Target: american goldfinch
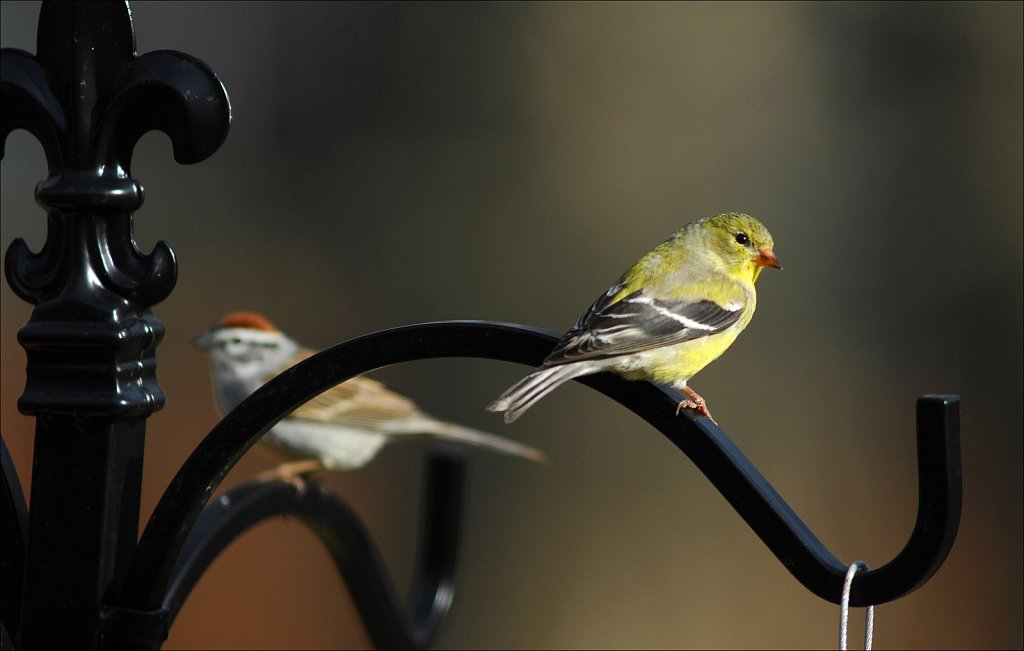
pixel 342 428
pixel 674 312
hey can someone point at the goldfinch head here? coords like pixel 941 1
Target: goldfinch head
pixel 740 241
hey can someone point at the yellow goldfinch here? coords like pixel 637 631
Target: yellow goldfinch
pixel 674 312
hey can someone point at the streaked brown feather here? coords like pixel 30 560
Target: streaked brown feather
pixel 359 402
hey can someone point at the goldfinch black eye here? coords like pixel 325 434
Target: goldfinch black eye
pixel 742 238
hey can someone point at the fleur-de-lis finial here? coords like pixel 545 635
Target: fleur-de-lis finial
pixel 88 98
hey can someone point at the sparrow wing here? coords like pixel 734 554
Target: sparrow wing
pixel 640 322
pixel 362 403
pixel 358 402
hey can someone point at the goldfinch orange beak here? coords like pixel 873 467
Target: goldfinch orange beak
pixel 766 258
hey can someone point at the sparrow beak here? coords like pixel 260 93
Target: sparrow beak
pixel 204 340
pixel 766 258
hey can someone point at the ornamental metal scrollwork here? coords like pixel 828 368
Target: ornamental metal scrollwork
pixel 88 98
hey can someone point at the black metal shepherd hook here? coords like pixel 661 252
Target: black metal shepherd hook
pixel 91 384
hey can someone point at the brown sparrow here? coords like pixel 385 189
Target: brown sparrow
pixel 344 427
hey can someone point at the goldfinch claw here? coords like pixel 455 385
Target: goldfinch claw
pixel 695 401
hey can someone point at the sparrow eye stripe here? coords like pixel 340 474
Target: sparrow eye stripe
pixel 248 339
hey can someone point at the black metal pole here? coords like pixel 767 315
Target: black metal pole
pixel 91 340
pixel 82 525
pixel 13 543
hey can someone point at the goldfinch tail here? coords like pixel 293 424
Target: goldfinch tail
pixel 521 396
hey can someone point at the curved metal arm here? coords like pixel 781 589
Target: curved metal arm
pixel 350 546
pixel 717 457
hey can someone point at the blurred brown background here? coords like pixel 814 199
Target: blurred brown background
pixel 398 163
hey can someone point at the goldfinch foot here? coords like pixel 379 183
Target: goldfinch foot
pixel 695 401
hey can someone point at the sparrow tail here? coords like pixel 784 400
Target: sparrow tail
pixel 459 434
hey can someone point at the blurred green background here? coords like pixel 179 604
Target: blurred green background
pixel 398 163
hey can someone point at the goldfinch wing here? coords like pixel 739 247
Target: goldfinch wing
pixel 639 322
